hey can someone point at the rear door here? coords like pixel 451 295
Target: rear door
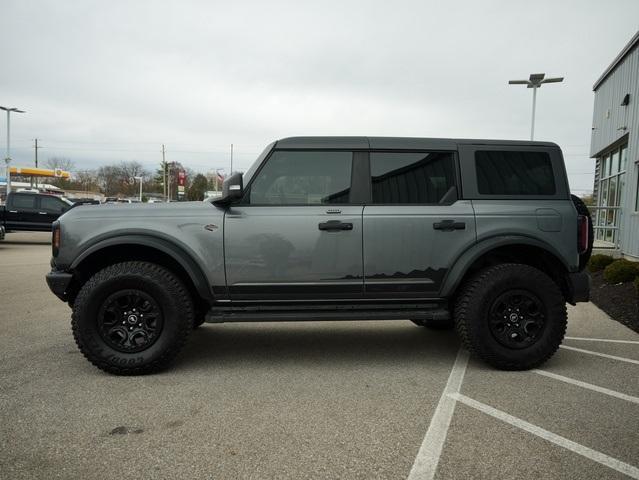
pixel 21 212
pixel 415 225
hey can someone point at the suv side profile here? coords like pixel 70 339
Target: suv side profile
pixel 482 234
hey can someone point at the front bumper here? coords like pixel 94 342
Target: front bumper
pixel 59 282
pixel 578 287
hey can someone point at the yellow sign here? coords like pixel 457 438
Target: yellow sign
pixel 40 172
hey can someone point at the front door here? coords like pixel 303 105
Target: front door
pixel 50 209
pixel 415 225
pixel 22 212
pixel 296 234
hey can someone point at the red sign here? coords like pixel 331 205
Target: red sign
pixel 181 178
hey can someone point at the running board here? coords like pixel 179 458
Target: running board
pixel 239 314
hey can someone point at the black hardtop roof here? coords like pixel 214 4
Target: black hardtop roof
pixel 397 143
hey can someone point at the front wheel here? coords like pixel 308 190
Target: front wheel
pixel 132 318
pixel 512 316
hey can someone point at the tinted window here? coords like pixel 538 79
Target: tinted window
pixel 514 173
pixel 411 177
pixel 23 201
pixel 303 178
pixel 51 204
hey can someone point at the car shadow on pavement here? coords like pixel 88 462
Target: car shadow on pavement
pixel 331 343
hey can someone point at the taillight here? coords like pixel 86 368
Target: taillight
pixel 55 239
pixel 582 233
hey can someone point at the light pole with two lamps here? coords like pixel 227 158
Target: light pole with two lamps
pixel 8 157
pixel 535 81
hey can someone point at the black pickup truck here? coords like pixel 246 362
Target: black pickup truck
pixel 32 211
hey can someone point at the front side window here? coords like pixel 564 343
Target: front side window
pixel 303 178
pixel 503 172
pixel 51 204
pixel 411 178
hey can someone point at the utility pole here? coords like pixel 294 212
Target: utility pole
pixel 164 170
pixel 36 147
pixel 231 159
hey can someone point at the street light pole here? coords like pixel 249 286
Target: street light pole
pixel 8 157
pixel 140 179
pixel 535 81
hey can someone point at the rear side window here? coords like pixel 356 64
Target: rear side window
pixel 514 173
pixel 24 201
pixel 418 178
pixel 303 178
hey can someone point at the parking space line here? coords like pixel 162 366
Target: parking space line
pixel 563 442
pixel 602 340
pixel 427 458
pixel 589 386
pixel 599 354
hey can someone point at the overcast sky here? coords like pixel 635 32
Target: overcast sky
pixel 105 81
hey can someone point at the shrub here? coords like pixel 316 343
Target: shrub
pixel 637 284
pixel 599 262
pixel 621 271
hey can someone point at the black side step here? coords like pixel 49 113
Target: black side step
pixel 239 314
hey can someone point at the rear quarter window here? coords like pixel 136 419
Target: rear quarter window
pixel 514 173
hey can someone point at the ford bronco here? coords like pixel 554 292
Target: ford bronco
pixel 480 234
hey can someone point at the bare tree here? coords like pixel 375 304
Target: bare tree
pixel 63 163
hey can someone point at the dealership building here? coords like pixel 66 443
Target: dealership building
pixel 615 146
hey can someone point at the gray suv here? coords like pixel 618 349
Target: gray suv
pixel 482 235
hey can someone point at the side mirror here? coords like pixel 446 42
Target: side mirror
pixel 232 190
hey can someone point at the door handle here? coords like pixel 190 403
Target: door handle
pixel 42 213
pixel 335 225
pixel 449 225
pixel 13 211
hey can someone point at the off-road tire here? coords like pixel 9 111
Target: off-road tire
pixel 476 298
pixel 163 287
pixel 434 324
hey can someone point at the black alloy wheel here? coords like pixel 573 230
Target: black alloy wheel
pixel 517 319
pixel 130 321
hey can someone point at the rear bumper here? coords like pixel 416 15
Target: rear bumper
pixel 58 282
pixel 578 287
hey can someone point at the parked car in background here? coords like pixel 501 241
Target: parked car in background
pixel 32 211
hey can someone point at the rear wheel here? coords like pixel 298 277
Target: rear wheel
pixel 512 316
pixel 132 318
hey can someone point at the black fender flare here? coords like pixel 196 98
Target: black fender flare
pixel 459 269
pixel 178 254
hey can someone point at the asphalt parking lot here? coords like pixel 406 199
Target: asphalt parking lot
pixel 307 400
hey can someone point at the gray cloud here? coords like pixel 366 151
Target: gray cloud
pixel 110 81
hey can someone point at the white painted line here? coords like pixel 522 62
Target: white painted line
pixel 575 447
pixel 589 386
pixel 599 354
pixel 425 464
pixel 609 340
